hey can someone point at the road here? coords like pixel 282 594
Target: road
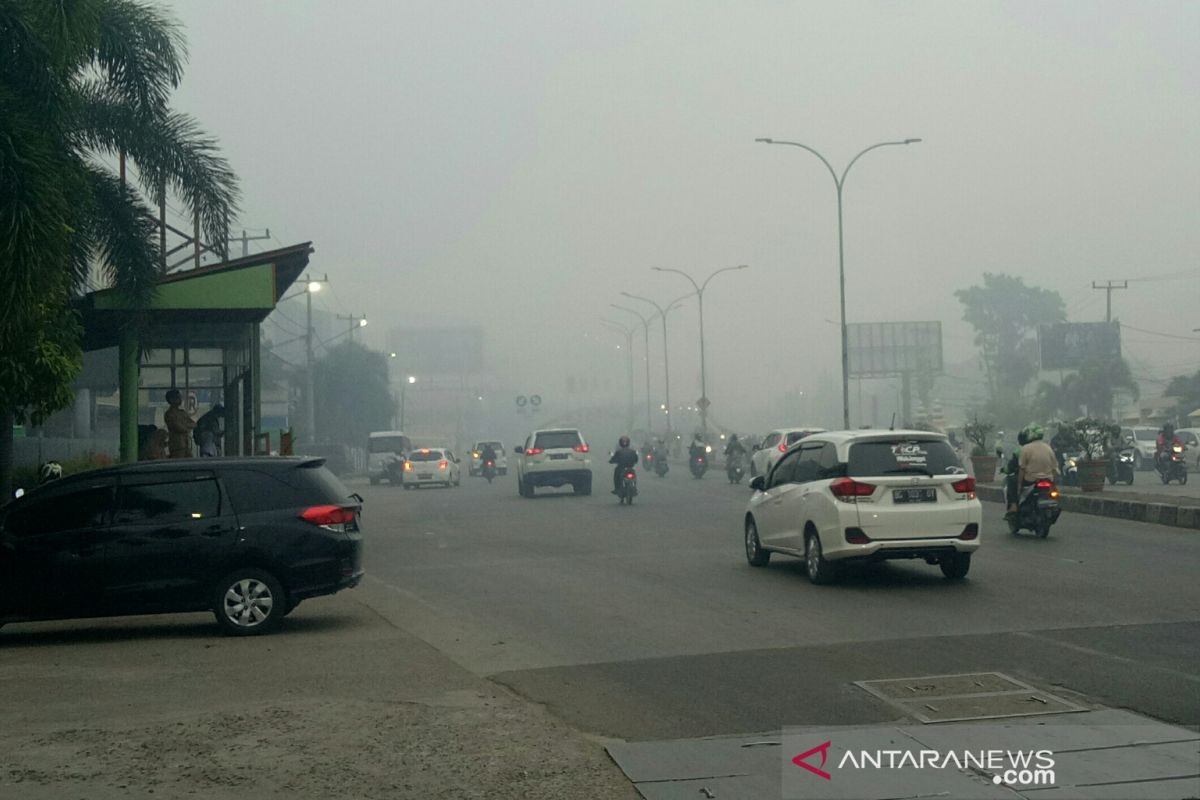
pixel 647 623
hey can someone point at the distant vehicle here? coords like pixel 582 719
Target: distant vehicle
pixel 475 468
pixel 858 496
pixel 384 447
pixel 245 538
pixel 627 487
pixel 558 457
pixel 1145 438
pixel 1172 465
pixel 774 445
pixel 429 466
pixel 1191 440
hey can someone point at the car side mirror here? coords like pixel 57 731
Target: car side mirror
pixel 759 483
pixel 518 449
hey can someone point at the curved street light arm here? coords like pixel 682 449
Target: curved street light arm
pixel 832 172
pixel 645 320
pixel 869 149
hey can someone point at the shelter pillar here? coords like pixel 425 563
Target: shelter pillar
pixel 129 356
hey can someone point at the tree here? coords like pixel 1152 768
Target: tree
pixel 1090 390
pixel 352 396
pixel 81 82
pixel 1005 314
pixel 1186 388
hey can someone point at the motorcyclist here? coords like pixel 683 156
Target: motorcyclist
pixel 1165 442
pixel 625 457
pixel 1010 471
pixel 1037 461
pixel 487 453
pixel 697 448
pixel 735 448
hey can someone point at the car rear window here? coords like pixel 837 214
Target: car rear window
pixel 796 436
pixel 1146 436
pixel 251 490
pixel 421 455
pixel 900 456
pixel 387 444
pixel 551 440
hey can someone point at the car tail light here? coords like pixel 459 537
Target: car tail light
pixel 849 490
pixel 857 536
pixel 335 518
pixel 535 451
pixel 965 486
pixel 443 464
pixel 649 456
pixel 783 446
pixel 582 448
pixel 970 532
pixel 408 466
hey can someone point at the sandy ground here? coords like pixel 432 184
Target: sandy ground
pixel 340 703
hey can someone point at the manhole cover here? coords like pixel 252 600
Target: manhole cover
pixel 977 695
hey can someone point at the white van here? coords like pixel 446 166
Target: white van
pixel 382 448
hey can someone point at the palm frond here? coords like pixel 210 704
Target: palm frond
pixel 121 232
pixel 141 51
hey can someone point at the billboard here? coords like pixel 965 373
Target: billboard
pixel 1066 345
pixel 437 350
pixel 885 349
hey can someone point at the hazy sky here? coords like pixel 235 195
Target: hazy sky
pixel 520 163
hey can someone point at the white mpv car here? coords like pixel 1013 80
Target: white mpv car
pixel 845 496
pixel 554 458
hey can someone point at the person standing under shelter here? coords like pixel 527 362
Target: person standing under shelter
pixel 208 433
pixel 179 426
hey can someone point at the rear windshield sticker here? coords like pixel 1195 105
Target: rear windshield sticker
pixel 910 453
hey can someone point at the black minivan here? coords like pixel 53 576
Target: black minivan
pixel 247 538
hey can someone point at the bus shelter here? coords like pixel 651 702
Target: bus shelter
pixel 200 335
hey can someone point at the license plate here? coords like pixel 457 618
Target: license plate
pixel 425 477
pixel 558 456
pixel 914 495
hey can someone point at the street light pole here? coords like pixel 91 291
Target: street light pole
pixel 704 402
pixel 403 395
pixel 662 312
pixel 310 404
pixel 840 182
pixel 646 358
pixel 628 332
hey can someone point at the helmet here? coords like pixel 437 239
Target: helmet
pixel 623 441
pixel 733 438
pixel 1168 428
pixel 49 471
pixel 1033 431
pixel 1022 437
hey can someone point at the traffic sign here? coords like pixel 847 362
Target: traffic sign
pixel 535 400
pixel 703 404
pixel 521 401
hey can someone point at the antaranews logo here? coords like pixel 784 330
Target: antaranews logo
pixel 1007 767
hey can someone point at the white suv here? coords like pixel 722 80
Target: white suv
pixel 774 445
pixel 475 468
pixel 850 496
pixel 554 458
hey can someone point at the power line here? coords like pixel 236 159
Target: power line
pixel 1164 335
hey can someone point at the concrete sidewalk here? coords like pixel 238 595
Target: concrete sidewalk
pixel 339 703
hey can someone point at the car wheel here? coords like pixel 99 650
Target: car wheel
pixel 955 567
pixel 755 554
pixel 526 488
pixel 249 602
pixel 819 570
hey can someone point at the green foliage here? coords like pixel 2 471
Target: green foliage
pixel 1005 314
pixel 27 476
pixel 1186 389
pixel 1095 437
pixel 1091 388
pixel 979 434
pixel 352 395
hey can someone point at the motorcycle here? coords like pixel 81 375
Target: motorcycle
pixel 488 470
pixel 1037 509
pixel 660 462
pixel 648 457
pixel 1070 468
pixel 1120 466
pixel 734 469
pixel 1172 465
pixel 627 489
pixel 699 465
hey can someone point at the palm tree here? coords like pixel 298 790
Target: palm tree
pixel 84 82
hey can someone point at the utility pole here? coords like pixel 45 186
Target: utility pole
pixel 1108 288
pixel 245 240
pixel 310 412
pixel 355 322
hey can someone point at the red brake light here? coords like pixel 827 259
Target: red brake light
pixel 970 532
pixel 443 464
pixel 783 446
pixel 649 456
pixel 630 475
pixel 582 448
pixel 965 486
pixel 849 490
pixel 1044 484
pixel 328 516
pixel 535 451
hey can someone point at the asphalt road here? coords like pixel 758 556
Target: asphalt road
pixel 646 622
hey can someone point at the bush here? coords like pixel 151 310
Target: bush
pixel 979 434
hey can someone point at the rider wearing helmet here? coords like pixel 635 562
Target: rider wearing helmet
pixel 1010 471
pixel 1166 440
pixel 1037 461
pixel 625 457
